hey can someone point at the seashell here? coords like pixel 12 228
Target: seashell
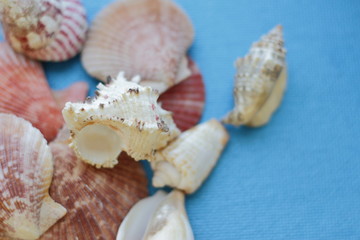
pixel 148 38
pixel 77 92
pixel 186 100
pixel 159 217
pixel 46 30
pixel 26 93
pixel 260 81
pixel 26 209
pixel 187 161
pixel 97 199
pixel 123 117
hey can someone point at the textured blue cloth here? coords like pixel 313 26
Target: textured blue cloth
pixel 299 176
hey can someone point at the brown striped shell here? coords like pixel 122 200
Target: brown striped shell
pixel 46 30
pixel 96 199
pixel 26 170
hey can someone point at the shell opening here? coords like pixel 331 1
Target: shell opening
pixel 99 144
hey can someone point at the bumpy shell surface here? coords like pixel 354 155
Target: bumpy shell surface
pixel 260 81
pixel 26 170
pixel 46 30
pixel 97 199
pixel 159 217
pixel 77 92
pixel 186 100
pixel 25 92
pixel 148 38
pixel 123 117
pixel 187 161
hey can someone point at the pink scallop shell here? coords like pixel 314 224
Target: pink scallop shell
pixel 76 92
pixel 25 92
pixel 186 100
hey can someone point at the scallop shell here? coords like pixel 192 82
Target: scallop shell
pixel 97 199
pixel 260 81
pixel 159 217
pixel 123 117
pixel 77 92
pixel 26 209
pixel 46 30
pixel 25 92
pixel 140 37
pixel 187 161
pixel 186 100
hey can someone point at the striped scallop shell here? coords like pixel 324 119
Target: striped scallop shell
pixel 186 100
pixel 26 170
pixel 46 30
pixel 148 38
pixel 97 199
pixel 25 92
pixel 76 92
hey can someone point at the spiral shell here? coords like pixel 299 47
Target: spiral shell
pixel 26 170
pixel 124 117
pixel 148 38
pixel 46 30
pixel 26 93
pixel 187 161
pixel 260 81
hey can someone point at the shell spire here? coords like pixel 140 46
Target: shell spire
pixel 26 170
pixel 46 30
pixel 124 116
pixel 260 81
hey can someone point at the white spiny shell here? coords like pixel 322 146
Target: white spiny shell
pixel 260 81
pixel 47 30
pixel 26 209
pixel 159 217
pixel 187 161
pixel 123 117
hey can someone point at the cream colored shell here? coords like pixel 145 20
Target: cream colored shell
pixel 260 81
pixel 187 161
pixel 123 117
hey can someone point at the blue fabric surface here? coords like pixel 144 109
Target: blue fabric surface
pixel 299 176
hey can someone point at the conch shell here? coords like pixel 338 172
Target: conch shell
pixel 123 117
pixel 260 81
pixel 46 30
pixel 26 209
pixel 148 38
pixel 159 217
pixel 187 161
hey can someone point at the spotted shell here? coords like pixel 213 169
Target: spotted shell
pixel 26 170
pixel 260 81
pixel 46 30
pixel 148 38
pixel 26 93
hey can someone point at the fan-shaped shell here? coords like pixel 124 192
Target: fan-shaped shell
pixel 26 170
pixel 97 199
pixel 46 30
pixel 76 92
pixel 148 38
pixel 186 100
pixel 124 117
pixel 25 92
pixel 260 81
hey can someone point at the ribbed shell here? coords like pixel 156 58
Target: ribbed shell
pixel 26 93
pixel 46 30
pixel 259 74
pixel 76 92
pixel 148 38
pixel 186 100
pixel 97 199
pixel 26 170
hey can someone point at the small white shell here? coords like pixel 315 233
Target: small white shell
pixel 260 81
pixel 47 30
pixel 187 161
pixel 160 217
pixel 123 117
pixel 26 170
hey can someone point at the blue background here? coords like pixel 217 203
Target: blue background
pixel 299 176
